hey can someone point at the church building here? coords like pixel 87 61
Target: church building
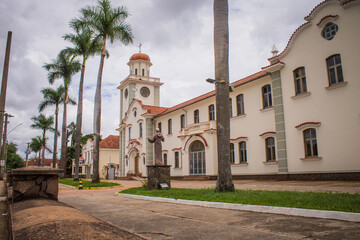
pixel 297 118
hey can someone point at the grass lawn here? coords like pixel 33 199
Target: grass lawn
pixel 71 182
pixel 309 200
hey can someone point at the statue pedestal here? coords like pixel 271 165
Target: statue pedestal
pixel 158 176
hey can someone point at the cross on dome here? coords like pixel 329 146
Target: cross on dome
pixel 140 47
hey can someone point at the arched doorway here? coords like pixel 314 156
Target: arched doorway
pixel 197 158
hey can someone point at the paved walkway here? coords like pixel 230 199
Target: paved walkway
pixel 159 220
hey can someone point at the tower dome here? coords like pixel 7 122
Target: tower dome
pixel 140 56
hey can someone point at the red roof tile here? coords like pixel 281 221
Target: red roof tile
pixel 111 141
pixel 152 109
pixel 212 93
pixel 47 162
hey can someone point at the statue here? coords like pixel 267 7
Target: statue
pixel 157 139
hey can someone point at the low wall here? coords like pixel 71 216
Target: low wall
pixel 34 182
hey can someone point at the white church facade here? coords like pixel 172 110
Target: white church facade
pixel 297 118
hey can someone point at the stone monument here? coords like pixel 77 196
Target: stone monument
pixel 158 174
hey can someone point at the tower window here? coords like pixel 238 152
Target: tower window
pixel 143 72
pixel 135 71
pixel 159 126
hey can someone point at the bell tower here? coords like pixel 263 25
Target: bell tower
pixel 139 84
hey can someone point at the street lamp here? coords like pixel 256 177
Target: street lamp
pixel 213 81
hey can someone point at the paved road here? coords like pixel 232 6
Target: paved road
pixel 155 220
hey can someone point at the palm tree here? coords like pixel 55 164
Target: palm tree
pixel 107 23
pixel 54 97
pixel 64 66
pixel 35 145
pixel 221 48
pixel 43 123
pixel 85 45
pixel 72 132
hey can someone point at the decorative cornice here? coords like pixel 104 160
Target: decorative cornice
pixel 306 125
pixel 268 134
pixel 238 139
pixel 326 19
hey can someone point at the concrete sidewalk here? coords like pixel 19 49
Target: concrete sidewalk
pixel 162 220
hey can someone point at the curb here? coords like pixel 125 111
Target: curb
pixel 344 216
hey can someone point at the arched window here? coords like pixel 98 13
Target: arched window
pixel 165 158
pixel 211 112
pixel 232 153
pixel 230 105
pixel 140 130
pixel 196 116
pixel 143 72
pixel 270 149
pixel 135 71
pixel 266 94
pixel 159 126
pixel 242 151
pixel 334 67
pixel 169 126
pixel 182 121
pixel 129 133
pixel 300 80
pixel 310 143
pixel 240 104
pixel 177 160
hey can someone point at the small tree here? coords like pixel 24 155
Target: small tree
pixel 13 160
pixel 43 123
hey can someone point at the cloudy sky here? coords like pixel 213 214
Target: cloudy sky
pixel 177 35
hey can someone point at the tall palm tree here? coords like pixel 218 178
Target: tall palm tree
pixel 85 45
pixel 64 66
pixel 44 123
pixel 221 49
pixel 35 145
pixel 54 97
pixel 107 23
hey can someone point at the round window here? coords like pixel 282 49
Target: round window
pixel 329 31
pixel 126 93
pixel 145 91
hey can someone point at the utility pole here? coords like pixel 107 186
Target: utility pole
pixel 3 152
pixel 4 82
pixel 27 154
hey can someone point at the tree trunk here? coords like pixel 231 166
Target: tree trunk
pixel 43 151
pixel 221 45
pixel 55 135
pixel 97 117
pixel 79 122
pixel 63 134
